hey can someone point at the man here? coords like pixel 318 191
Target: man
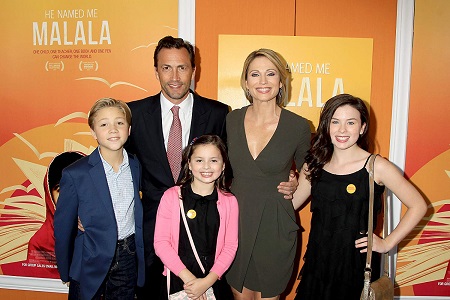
pixel 174 62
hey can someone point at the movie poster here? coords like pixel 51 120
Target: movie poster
pixel 320 67
pixel 59 57
pixel 423 262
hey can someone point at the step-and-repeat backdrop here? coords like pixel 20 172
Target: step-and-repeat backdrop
pixel 58 58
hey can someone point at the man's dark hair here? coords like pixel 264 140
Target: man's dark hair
pixel 170 42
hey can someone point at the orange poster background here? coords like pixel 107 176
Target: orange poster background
pixel 320 68
pixel 26 95
pixel 58 58
pixel 327 18
pixel 34 96
pixel 423 267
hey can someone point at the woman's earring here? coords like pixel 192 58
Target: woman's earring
pixel 280 93
pixel 247 92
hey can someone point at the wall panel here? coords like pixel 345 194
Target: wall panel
pixel 263 17
pixel 326 18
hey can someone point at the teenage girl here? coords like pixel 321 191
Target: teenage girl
pixel 335 174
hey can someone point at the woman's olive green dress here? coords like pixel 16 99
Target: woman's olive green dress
pixel 267 222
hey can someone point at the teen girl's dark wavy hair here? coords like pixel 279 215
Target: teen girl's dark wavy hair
pixel 224 181
pixel 321 146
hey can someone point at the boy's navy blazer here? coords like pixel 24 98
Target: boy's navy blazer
pixel 86 256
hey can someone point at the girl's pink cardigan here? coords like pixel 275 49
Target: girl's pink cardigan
pixel 167 232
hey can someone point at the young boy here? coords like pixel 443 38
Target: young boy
pixel 102 192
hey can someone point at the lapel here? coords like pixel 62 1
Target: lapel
pixel 200 116
pixel 253 164
pixel 97 173
pixel 136 175
pixel 153 128
pixel 134 167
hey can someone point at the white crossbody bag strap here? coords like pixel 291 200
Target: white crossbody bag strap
pixel 190 236
pixel 191 241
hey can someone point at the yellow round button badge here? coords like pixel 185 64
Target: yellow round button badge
pixel 351 188
pixel 191 214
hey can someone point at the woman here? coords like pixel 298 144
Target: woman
pixel 264 140
pixel 335 174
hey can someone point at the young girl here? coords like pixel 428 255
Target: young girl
pixel 212 217
pixel 335 174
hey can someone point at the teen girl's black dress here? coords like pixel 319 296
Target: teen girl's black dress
pixel 204 229
pixel 333 267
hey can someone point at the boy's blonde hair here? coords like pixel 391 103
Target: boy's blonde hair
pixel 108 102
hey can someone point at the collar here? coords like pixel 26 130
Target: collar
pixel 212 197
pixel 108 168
pixel 166 105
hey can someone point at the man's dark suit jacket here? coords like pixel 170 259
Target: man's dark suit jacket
pixel 147 142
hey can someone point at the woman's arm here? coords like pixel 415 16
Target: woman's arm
pixel 387 173
pixel 303 131
pixel 288 188
pixel 304 189
pixel 228 252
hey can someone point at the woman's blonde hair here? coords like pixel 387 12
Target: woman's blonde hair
pixel 281 66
